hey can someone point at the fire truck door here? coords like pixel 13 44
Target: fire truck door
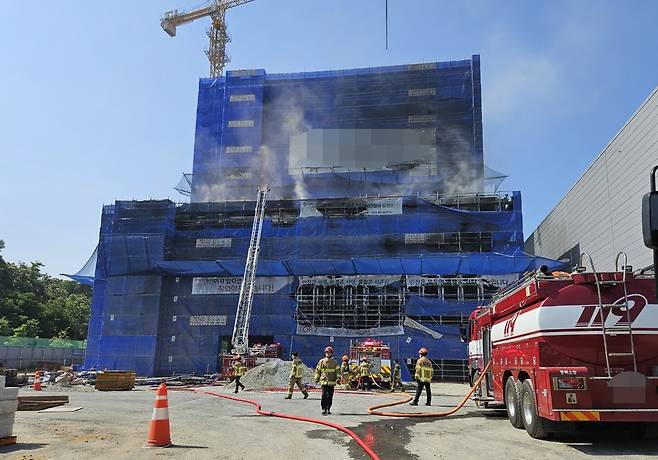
pixel 486 357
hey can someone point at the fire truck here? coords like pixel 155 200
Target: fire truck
pixel 579 347
pixel 379 355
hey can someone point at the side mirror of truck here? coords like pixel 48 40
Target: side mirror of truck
pixel 650 214
pixel 650 223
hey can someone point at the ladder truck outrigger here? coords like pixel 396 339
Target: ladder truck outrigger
pixel 579 347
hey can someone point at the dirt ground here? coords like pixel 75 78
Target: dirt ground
pixel 114 425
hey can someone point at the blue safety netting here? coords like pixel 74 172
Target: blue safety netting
pixel 87 273
pixel 167 276
pixel 147 316
pixel 250 126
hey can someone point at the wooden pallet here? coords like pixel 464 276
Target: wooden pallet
pixel 115 381
pixel 34 403
pixel 8 441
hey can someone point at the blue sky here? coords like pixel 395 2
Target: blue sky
pixel 99 103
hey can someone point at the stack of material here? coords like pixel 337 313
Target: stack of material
pixel 115 380
pixel 8 406
pixel 273 374
pixel 31 403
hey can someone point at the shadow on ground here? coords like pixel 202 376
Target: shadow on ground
pixel 21 446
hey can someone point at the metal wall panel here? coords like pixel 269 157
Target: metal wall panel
pixel 602 211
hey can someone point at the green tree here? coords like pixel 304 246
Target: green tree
pixel 29 328
pixel 33 303
pixel 5 328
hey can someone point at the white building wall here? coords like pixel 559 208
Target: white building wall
pixel 603 211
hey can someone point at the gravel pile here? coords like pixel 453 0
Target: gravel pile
pixel 273 374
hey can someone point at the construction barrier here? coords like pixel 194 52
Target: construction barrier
pixel 159 434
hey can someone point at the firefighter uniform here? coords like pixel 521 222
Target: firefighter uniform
pixel 364 371
pixel 345 372
pixel 326 374
pixel 239 370
pixel 396 378
pixel 423 375
pixel 296 374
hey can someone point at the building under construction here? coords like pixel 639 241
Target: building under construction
pixel 377 224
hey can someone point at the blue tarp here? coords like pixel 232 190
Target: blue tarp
pixel 458 264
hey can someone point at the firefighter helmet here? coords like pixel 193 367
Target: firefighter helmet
pixel 329 350
pixel 345 358
pixel 422 351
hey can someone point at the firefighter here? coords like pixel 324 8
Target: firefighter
pixel 238 369
pixel 345 371
pixel 354 376
pixel 326 374
pixel 423 376
pixel 364 370
pixel 396 378
pixel 296 374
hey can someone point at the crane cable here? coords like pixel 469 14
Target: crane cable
pixel 373 409
pixel 371 453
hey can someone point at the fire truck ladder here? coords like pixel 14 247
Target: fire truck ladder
pixel 240 339
pixel 604 310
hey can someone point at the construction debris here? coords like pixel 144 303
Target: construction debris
pixel 62 409
pixel 115 380
pixel 273 374
pixel 34 403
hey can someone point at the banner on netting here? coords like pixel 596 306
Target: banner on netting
pixel 373 207
pixel 208 320
pixel 358 280
pixel 496 280
pixel 340 332
pixel 213 242
pixel 231 285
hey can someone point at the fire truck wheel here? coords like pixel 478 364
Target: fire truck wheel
pixel 534 424
pixel 513 402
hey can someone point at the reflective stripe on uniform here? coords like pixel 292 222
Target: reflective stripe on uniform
pixel 297 371
pixel 325 374
pixel 424 371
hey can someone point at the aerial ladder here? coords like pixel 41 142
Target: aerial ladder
pixel 217 34
pixel 240 338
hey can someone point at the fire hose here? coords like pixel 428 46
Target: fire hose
pixel 373 409
pixel 300 418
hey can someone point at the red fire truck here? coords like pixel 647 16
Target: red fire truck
pixel 379 355
pixel 580 347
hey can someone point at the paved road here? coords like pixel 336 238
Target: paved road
pixel 114 425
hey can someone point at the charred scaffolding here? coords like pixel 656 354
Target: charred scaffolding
pixel 372 302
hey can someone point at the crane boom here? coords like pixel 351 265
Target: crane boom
pixel 240 338
pixel 217 34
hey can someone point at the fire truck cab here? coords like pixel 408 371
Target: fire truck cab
pixel 579 347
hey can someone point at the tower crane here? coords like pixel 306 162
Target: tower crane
pixel 217 34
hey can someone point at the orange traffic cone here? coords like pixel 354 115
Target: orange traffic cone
pixel 37 380
pixel 159 435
